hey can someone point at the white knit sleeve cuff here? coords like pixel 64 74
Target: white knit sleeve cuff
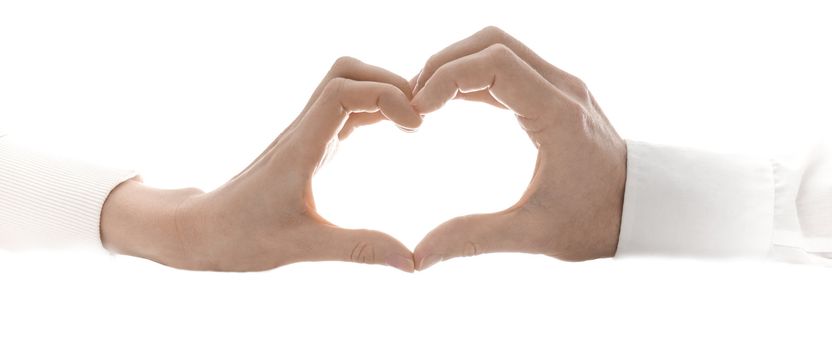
pixel 683 202
pixel 49 202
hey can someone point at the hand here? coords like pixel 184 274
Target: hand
pixel 265 217
pixel 572 207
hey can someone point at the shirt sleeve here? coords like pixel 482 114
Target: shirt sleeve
pixel 694 203
pixel 685 202
pixel 48 201
pixel 803 207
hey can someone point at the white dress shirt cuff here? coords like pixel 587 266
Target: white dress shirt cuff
pixel 684 202
pixel 47 201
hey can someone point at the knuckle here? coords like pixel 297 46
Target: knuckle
pixel 462 221
pixel 576 111
pixel 576 85
pixel 500 49
pixel 471 249
pixel 501 54
pixel 493 32
pixel 401 83
pixel 342 64
pixel 391 92
pixel 440 73
pixel 363 252
pixel 333 87
pixel 430 66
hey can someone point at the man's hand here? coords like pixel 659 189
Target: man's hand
pixel 572 207
pixel 265 217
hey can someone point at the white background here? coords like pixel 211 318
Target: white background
pixel 189 92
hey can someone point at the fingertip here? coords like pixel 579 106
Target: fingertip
pixel 425 255
pixel 418 257
pixel 401 262
pixel 406 129
pixel 418 103
pixel 396 255
pixel 346 130
pixel 424 258
pixel 343 134
pixel 409 120
pixel 398 109
pixel 413 121
pixel 428 261
pixel 359 246
pixel 430 98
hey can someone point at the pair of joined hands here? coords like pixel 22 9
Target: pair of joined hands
pixel 265 216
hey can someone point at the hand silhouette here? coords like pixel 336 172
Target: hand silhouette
pixel 572 207
pixel 265 217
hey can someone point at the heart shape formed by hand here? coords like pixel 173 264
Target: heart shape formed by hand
pixel 571 209
pixel 265 216
pixel 465 158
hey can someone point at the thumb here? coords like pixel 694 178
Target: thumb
pixel 468 236
pixel 332 243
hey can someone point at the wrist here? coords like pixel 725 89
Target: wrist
pixel 142 221
pixel 615 205
pixel 599 226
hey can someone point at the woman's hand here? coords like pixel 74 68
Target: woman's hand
pixel 572 207
pixel 265 217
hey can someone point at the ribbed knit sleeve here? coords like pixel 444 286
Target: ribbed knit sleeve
pixel 50 202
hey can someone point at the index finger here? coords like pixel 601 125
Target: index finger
pixel 339 98
pixel 509 79
pixel 354 69
pixel 481 40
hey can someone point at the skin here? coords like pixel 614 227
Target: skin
pixel 265 217
pixel 572 207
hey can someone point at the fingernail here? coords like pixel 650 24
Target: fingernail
pixel 406 129
pixel 400 262
pixel 419 77
pixel 429 261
